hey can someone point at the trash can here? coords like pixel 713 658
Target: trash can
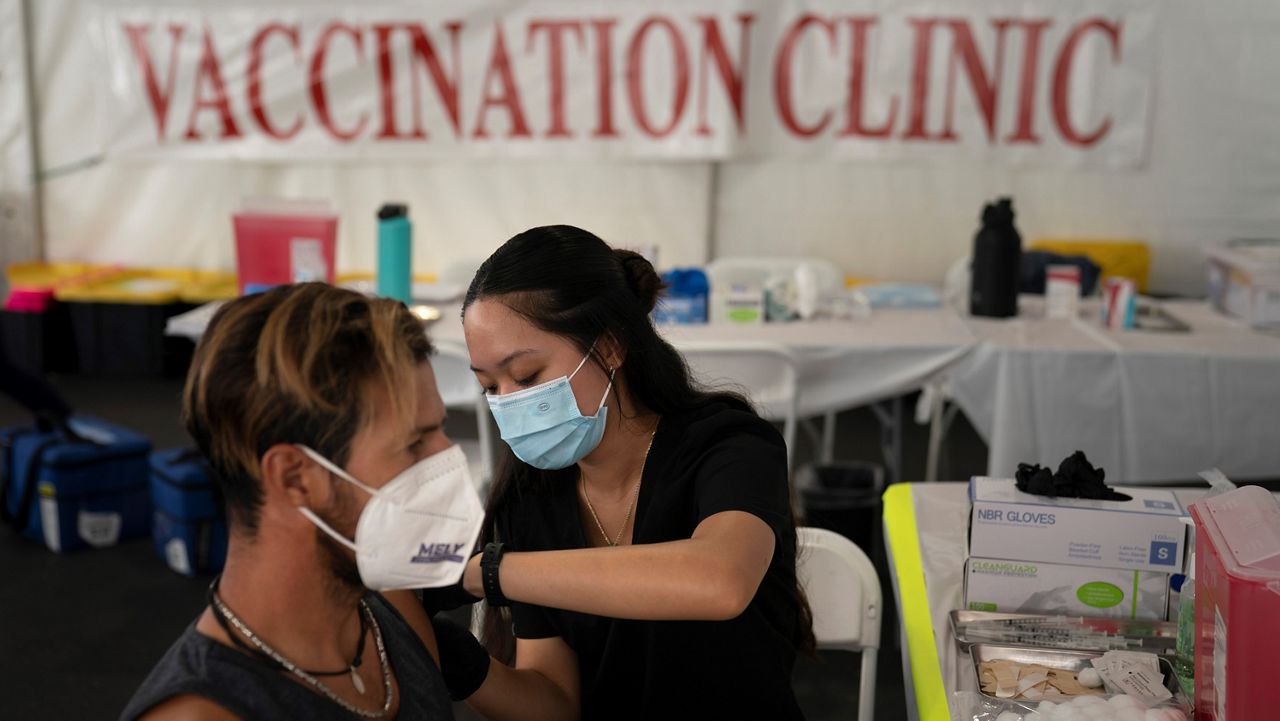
pixel 845 498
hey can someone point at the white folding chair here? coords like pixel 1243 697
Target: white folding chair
pixel 460 391
pixel 844 594
pixel 767 372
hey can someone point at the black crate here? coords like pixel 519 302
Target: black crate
pixel 127 340
pixel 40 342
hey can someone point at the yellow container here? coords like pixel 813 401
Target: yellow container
pixel 53 275
pixel 209 286
pixel 156 286
pixel 1118 258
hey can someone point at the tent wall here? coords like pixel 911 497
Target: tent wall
pixel 1212 172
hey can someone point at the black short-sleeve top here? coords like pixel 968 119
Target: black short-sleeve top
pixel 703 462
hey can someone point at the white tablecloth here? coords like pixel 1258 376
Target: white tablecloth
pixel 1146 406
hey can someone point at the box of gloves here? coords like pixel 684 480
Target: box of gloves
pixel 1035 587
pixel 1141 530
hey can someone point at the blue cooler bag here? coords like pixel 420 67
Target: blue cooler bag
pixel 189 526
pixel 86 488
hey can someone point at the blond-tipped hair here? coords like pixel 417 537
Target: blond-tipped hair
pixel 296 364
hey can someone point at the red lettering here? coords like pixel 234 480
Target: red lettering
pixel 858 30
pixel 446 87
pixel 254 72
pixel 210 73
pixel 509 98
pixel 986 88
pixel 920 79
pixel 635 76
pixel 158 97
pixel 319 95
pixel 782 74
pixel 387 88
pixel 1062 80
pixel 1024 132
pixel 604 78
pixel 731 78
pixel 555 30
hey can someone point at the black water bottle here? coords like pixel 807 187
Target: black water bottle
pixel 997 263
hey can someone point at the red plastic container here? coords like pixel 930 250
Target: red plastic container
pixel 29 300
pixel 280 242
pixel 1237 605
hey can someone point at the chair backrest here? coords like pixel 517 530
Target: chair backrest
pixel 843 590
pixel 766 372
pixel 460 390
pixel 458 385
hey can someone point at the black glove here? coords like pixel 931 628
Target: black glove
pixel 435 600
pixel 464 662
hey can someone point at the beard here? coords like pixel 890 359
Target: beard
pixel 337 559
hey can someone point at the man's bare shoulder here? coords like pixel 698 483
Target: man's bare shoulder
pixel 189 707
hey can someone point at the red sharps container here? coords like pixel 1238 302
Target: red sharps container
pixel 1237 605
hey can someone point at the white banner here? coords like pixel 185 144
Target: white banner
pixel 1024 82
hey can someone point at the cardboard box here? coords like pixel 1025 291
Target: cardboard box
pixel 1144 533
pixel 1031 587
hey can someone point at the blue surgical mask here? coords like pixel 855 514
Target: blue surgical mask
pixel 543 425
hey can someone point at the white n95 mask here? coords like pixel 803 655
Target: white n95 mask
pixel 419 529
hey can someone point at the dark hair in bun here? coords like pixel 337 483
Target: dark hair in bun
pixel 643 280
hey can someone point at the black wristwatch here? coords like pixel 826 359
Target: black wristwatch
pixel 489 575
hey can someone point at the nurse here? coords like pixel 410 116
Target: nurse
pixel 640 540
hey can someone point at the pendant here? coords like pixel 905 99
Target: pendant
pixel 357 681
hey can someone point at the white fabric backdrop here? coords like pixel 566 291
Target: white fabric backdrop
pixel 1213 172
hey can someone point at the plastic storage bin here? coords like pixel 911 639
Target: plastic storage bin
pixel 35 328
pixel 685 300
pixel 76 493
pixel 118 322
pixel 1237 604
pixel 1244 280
pixel 36 331
pixel 189 529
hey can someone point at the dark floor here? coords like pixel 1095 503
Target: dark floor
pixel 78 632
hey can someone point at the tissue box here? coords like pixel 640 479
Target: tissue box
pixel 1145 533
pixel 1033 587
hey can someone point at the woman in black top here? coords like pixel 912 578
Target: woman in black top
pixel 648 547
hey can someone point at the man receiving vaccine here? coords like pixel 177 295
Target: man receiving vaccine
pixel 319 413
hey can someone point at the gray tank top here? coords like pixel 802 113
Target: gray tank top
pixel 196 664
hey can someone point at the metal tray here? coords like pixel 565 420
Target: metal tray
pixel 1156 636
pixel 1054 658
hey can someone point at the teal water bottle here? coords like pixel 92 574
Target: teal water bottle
pixel 395 252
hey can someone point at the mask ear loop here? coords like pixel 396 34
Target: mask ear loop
pixel 612 371
pixel 312 516
pixel 607 388
pixel 584 360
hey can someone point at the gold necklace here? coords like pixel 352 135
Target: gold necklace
pixel 631 507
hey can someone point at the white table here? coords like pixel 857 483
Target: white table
pixel 925 527
pixel 1146 406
